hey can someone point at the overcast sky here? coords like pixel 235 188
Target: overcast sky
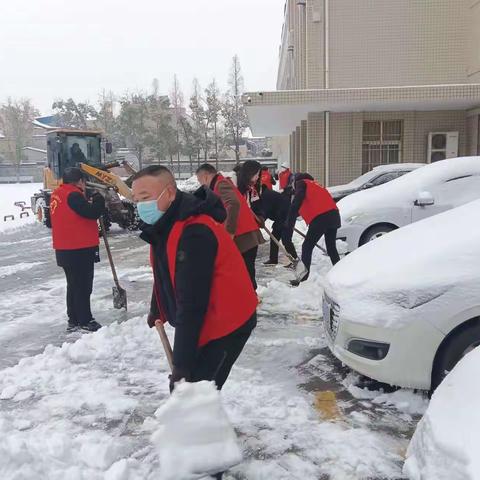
pixel 61 48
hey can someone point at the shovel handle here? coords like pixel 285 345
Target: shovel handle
pixel 165 342
pixel 109 252
pixel 279 245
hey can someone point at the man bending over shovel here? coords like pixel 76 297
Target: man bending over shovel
pixel 201 285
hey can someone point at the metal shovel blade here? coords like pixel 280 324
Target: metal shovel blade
pixel 119 298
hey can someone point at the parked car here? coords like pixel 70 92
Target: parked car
pixel 405 309
pixel 375 177
pixel 417 195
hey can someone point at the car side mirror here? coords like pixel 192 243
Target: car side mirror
pixel 108 148
pixel 424 199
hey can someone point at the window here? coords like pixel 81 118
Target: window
pixel 382 143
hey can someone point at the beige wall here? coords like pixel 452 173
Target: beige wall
pixel 474 41
pixel 401 42
pixel 346 138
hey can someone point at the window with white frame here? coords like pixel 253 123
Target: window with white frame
pixel 382 143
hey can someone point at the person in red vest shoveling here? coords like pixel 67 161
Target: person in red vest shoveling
pixel 240 222
pixel 201 285
pixel 320 212
pixel 75 240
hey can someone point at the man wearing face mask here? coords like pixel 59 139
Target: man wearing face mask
pixel 201 285
pixel 75 240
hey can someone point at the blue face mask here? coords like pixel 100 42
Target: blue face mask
pixel 148 211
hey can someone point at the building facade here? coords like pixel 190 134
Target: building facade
pixel 369 82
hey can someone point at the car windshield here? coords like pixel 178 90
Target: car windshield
pixel 83 149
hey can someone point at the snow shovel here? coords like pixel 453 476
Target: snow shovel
pixel 304 236
pixel 119 293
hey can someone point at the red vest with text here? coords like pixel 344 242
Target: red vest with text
pixel 70 231
pixel 246 221
pixel 317 201
pixel 283 178
pixel 232 298
pixel 266 179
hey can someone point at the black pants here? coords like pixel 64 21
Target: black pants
pixel 326 224
pixel 79 289
pixel 215 360
pixel 278 233
pixel 249 258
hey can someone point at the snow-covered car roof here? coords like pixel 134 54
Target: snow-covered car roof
pixel 366 177
pixel 406 188
pixel 410 266
pixel 445 443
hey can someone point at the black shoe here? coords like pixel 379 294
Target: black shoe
pixel 91 326
pixel 72 327
pixel 270 263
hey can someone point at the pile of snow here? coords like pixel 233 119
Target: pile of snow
pixel 446 442
pixel 384 281
pixel 189 185
pixel 194 435
pixel 16 192
pixel 404 190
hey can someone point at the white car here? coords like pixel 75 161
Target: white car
pixel 422 193
pixel 375 177
pixel 404 309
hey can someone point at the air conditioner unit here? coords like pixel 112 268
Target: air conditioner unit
pixel 442 145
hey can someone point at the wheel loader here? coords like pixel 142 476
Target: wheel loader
pixel 86 149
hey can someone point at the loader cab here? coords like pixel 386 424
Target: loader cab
pixel 70 148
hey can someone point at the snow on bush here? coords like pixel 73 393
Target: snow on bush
pixel 446 442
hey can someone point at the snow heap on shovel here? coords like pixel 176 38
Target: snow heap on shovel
pixel 195 437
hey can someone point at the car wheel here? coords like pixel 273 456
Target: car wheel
pixel 455 348
pixel 375 232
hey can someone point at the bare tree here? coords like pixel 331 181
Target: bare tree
pixel 234 113
pixel 178 107
pixel 198 118
pixel 16 117
pixel 214 108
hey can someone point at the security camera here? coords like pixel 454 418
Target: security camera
pixel 249 99
pixel 260 94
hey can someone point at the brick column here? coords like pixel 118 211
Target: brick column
pixel 316 146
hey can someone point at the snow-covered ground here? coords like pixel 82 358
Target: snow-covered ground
pixel 11 193
pixel 81 407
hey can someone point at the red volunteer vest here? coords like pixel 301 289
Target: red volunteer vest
pixel 317 201
pixel 283 178
pixel 70 231
pixel 232 298
pixel 246 221
pixel 266 179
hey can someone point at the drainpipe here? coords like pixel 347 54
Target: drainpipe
pixel 326 42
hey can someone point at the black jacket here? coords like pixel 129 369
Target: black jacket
pixel 275 205
pixel 185 307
